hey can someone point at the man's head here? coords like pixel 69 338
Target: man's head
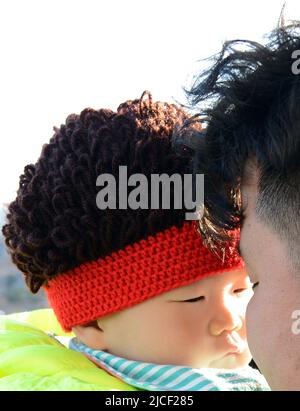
pixel 252 176
pixel 276 291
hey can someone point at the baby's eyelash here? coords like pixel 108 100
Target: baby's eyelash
pixel 193 300
pixel 240 290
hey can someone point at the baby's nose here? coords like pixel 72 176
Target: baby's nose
pixel 226 317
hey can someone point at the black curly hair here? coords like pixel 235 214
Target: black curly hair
pixel 54 225
pixel 250 99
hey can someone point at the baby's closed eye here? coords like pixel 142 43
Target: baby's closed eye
pixel 191 300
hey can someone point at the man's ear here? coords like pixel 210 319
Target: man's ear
pixel 91 335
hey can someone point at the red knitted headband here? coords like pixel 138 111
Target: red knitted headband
pixel 172 258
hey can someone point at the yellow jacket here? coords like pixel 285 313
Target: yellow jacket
pixel 31 360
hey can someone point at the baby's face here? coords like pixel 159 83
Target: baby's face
pixel 199 325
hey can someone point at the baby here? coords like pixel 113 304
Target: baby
pixel 147 301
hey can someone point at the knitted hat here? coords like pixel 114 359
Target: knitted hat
pixel 169 259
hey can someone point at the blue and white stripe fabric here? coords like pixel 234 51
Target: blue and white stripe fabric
pixel 154 377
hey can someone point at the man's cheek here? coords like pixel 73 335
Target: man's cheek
pixel 255 321
pixel 252 325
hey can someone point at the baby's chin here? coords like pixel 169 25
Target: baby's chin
pixel 232 361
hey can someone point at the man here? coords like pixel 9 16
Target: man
pixel 251 164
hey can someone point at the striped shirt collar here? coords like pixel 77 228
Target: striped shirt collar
pixel 155 377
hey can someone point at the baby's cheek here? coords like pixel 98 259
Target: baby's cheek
pixel 249 296
pixel 196 333
pixel 243 304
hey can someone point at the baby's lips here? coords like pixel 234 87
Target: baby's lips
pixel 235 341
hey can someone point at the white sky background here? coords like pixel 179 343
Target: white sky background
pixel 60 56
